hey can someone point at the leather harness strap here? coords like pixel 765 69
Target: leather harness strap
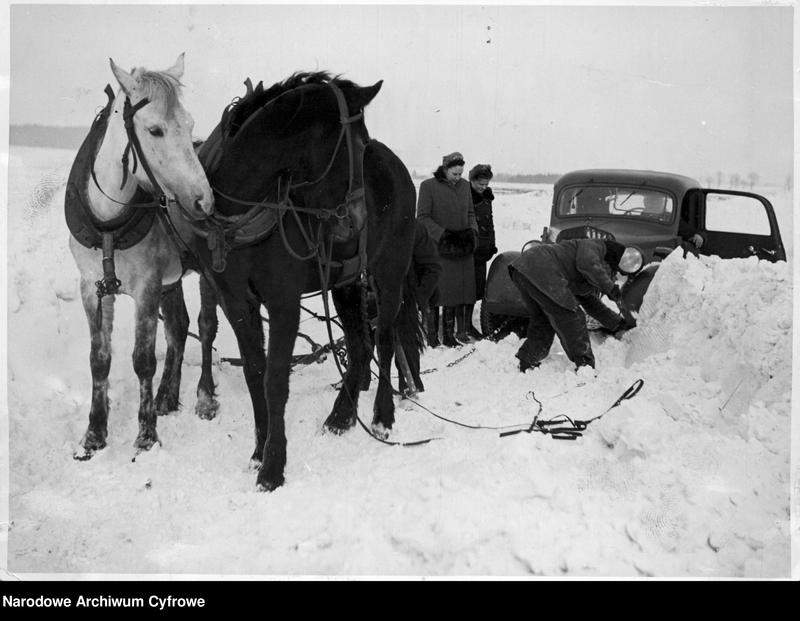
pixel 224 233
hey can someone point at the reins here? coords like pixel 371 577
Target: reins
pixel 558 429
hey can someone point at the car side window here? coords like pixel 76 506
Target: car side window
pixel 728 213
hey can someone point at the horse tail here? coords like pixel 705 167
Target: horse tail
pixel 408 326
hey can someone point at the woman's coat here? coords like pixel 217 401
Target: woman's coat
pixel 442 206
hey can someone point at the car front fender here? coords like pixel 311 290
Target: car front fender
pixel 635 287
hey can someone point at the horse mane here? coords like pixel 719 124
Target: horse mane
pixel 242 108
pixel 160 88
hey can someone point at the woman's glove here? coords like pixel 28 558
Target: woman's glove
pixel 457 244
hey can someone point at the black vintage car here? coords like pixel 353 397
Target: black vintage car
pixel 647 211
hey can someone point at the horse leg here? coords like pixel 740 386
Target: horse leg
pixel 176 328
pixel 245 319
pixel 207 405
pixel 347 301
pixel 284 319
pixel 144 362
pixel 100 362
pixel 383 409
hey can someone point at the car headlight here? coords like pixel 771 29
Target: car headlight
pixel 531 244
pixel 631 261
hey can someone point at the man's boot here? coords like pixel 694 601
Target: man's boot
pixel 461 324
pixel 448 325
pixel 432 326
pixel 472 331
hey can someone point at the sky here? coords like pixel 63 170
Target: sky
pixel 687 89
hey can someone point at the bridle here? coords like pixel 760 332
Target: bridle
pixel 134 148
pixel 110 284
pixel 219 230
pixel 355 192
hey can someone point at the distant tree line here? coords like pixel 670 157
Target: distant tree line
pixel 739 181
pixel 527 178
pixel 509 178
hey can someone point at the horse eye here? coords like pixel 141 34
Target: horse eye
pixel 156 131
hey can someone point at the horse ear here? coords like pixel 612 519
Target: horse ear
pixel 358 98
pixel 125 79
pixel 176 71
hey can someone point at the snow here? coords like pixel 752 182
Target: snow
pixel 689 478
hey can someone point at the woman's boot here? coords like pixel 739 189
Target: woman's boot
pixel 432 326
pixel 461 324
pixel 472 331
pixel 448 325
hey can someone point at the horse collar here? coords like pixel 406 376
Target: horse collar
pixel 130 226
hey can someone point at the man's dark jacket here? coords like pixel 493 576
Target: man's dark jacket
pixel 426 265
pixel 567 270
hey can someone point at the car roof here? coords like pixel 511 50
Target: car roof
pixel 678 184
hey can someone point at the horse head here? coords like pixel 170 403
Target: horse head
pixel 163 128
pixel 302 139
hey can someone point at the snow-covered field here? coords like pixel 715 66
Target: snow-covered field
pixel 689 478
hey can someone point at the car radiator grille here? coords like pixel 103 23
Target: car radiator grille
pixel 584 232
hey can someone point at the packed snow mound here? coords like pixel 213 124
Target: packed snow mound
pixel 717 312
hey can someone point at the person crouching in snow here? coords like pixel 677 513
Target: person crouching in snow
pixel 555 281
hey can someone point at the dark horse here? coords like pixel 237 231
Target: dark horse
pixel 294 159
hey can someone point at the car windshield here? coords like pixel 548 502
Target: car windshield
pixel 615 201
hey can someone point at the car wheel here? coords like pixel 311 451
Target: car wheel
pixel 497 327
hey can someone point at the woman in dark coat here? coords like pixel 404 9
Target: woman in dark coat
pixel 482 197
pixel 445 208
pixel 555 280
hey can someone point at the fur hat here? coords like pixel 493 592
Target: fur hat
pixel 452 159
pixel 481 171
pixel 614 251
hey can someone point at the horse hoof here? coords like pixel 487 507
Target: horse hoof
pixel 84 454
pixel 257 458
pixel 206 407
pixel 379 431
pixel 163 409
pixel 166 405
pixel 269 484
pixel 337 426
pixel 144 442
pixel 90 444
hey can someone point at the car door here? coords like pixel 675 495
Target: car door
pixel 739 225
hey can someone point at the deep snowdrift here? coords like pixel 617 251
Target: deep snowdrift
pixel 690 478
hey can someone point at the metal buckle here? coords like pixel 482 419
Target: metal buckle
pixel 341 211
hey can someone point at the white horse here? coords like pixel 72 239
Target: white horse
pixel 153 154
